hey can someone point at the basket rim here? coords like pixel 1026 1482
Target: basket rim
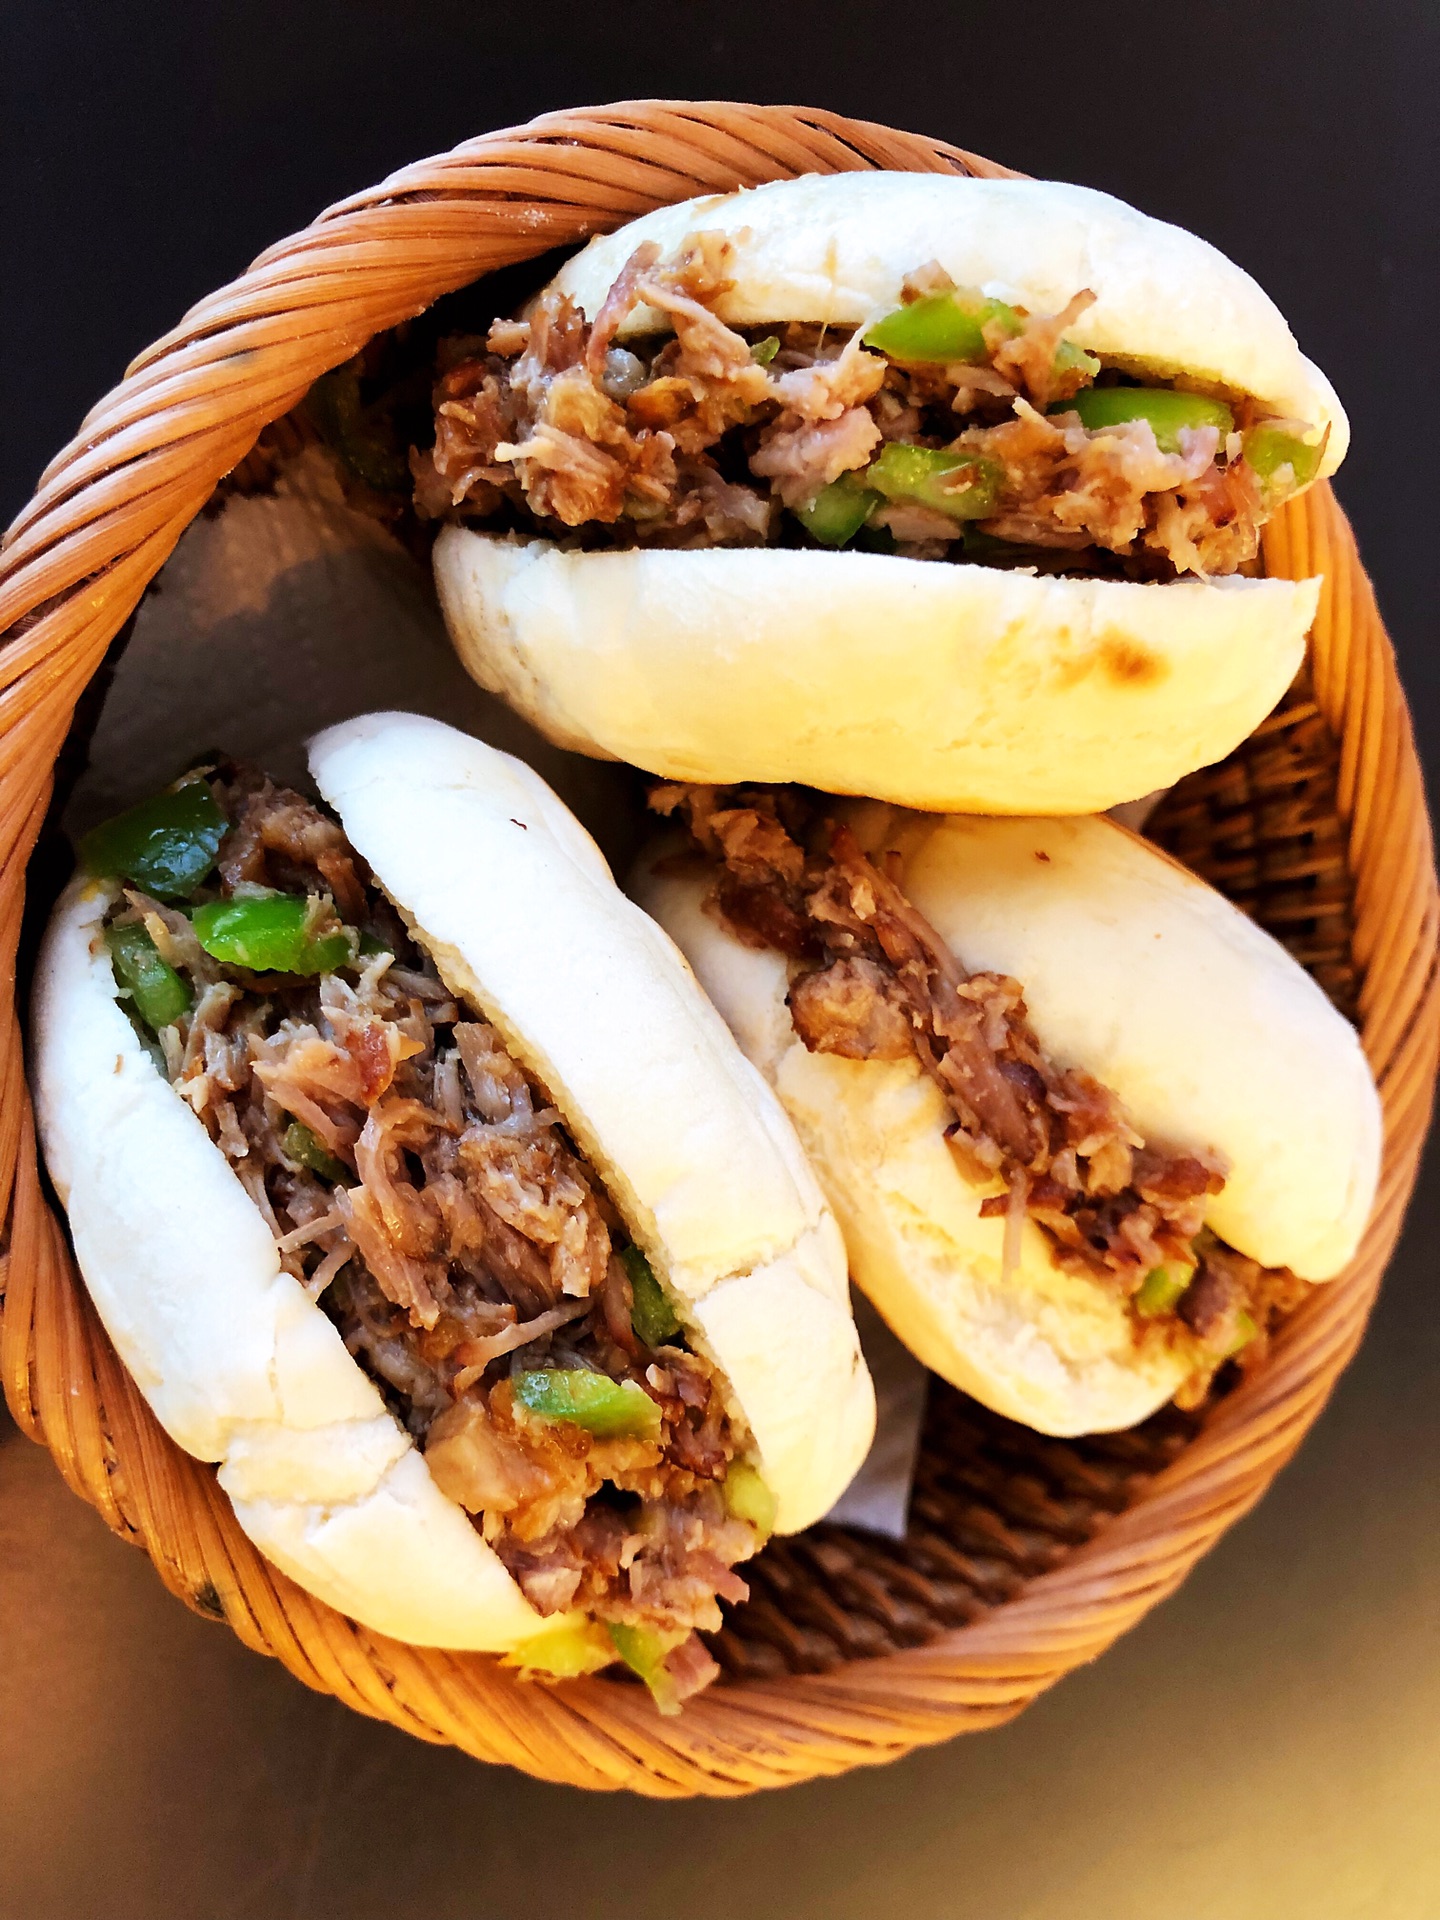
pixel 106 514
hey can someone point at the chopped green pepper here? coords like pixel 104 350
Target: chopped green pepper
pixel 1245 1332
pixel 572 1645
pixel 748 1498
pixel 962 485
pixel 942 327
pixel 1160 1289
pixel 166 845
pixel 301 1146
pixel 984 547
pixel 1072 359
pixel 838 511
pixel 643 1650
pixel 159 993
pixel 602 1406
pixel 271 933
pixel 876 540
pixel 1271 449
pixel 651 1314
pixel 363 437
pixel 764 351
pixel 1168 411
pixel 637 507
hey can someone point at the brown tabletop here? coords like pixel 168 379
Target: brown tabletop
pixel 1266 1744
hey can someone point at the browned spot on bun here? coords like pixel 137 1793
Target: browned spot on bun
pixel 1118 657
pixel 1128 663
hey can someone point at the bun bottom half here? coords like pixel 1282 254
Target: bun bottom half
pixel 237 1363
pixel 932 684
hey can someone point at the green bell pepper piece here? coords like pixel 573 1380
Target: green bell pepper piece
pixel 166 845
pixel 363 438
pixel 159 994
pixel 839 511
pixel 963 485
pixel 300 1145
pixel 876 540
pixel 942 327
pixel 651 1314
pixel 1168 411
pixel 607 1408
pixel 643 1650
pixel 1270 449
pixel 1161 1289
pixel 748 1498
pixel 1245 1332
pixel 1069 358
pixel 270 933
pixel 764 351
pixel 565 1648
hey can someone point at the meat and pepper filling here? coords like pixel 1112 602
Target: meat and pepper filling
pixel 872 980
pixel 421 1187
pixel 956 427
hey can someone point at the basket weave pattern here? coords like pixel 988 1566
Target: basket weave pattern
pixel 1026 1557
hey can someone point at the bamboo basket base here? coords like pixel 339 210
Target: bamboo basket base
pixel 994 1506
pixel 1025 1556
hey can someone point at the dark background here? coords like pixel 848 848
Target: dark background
pixel 1267 1743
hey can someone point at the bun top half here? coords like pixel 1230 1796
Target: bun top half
pixel 529 926
pixel 836 249
pixel 595 1001
pixel 1137 971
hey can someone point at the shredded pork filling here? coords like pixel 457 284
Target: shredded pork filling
pixel 420 1186
pixel 872 980
pixel 689 438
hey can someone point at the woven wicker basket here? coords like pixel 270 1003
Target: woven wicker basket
pixel 1025 1557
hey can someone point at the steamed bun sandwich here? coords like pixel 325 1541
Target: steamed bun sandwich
pixel 940 490
pixel 1088 1131
pixel 419 1186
